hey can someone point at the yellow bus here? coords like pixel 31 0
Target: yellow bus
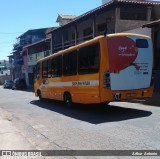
pixel 107 68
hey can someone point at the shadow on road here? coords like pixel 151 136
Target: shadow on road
pixel 94 114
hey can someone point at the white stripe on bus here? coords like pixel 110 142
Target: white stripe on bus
pixel 72 83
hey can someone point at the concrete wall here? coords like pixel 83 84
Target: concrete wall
pixel 144 31
pixel 123 25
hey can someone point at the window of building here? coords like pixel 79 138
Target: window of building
pixel 101 28
pixel 56 66
pixel 70 63
pixel 87 33
pixel 44 69
pixel 88 59
pixel 133 13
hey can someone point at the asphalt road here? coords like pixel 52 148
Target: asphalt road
pixel 51 125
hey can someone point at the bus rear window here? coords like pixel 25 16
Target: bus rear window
pixel 142 43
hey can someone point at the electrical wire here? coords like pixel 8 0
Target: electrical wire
pixel 5 33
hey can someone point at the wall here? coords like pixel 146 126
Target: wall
pixel 123 25
pixel 144 31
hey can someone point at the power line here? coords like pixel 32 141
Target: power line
pixel 5 33
pixel 4 43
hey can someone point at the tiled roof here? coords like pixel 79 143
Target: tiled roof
pixel 149 2
pixel 70 17
pixel 26 46
pixel 50 29
pixel 109 4
pixel 65 17
pixel 118 2
pixel 32 30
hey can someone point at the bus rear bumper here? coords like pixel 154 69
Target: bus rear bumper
pixel 132 94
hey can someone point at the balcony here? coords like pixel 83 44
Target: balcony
pixel 69 43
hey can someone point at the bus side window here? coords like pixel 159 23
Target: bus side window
pixel 37 71
pixel 57 66
pixel 94 58
pixel 49 68
pixel 70 63
pixel 83 65
pixel 44 69
pixel 88 59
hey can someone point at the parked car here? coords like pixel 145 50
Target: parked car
pixel 8 84
pixel 19 84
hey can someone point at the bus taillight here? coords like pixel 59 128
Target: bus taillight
pixel 107 79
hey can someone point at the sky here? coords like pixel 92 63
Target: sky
pixel 18 16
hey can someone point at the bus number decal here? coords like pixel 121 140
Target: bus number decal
pixel 85 83
pixel 81 83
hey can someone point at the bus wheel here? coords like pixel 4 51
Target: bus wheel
pixel 68 99
pixel 40 95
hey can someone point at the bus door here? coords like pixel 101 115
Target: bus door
pixel 130 62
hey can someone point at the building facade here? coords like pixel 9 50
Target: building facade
pixel 4 67
pixel 112 17
pixel 20 55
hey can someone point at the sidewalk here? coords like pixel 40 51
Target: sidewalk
pixel 153 101
pixel 10 136
pixel 11 139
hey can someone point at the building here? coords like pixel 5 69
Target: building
pixel 33 52
pixel 112 17
pixel 4 67
pixel 4 71
pixel 20 56
pixel 42 48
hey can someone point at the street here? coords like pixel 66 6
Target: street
pixel 50 125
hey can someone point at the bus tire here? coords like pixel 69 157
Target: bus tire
pixel 40 95
pixel 68 99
